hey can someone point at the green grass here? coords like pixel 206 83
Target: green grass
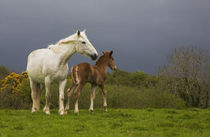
pixel 115 123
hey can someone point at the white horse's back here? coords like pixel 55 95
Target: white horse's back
pixel 35 65
pixel 41 63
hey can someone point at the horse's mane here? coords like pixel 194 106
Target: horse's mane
pixel 71 38
pixel 51 46
pixel 55 47
pixel 66 40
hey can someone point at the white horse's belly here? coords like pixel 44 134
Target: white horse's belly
pixel 42 63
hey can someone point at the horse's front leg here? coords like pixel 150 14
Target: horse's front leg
pixel 92 97
pixel 62 85
pixel 33 86
pixel 47 95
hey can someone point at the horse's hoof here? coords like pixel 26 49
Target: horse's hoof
pixel 105 108
pixel 61 112
pixel 76 113
pixel 65 112
pixel 91 110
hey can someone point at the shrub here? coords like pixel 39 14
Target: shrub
pixel 129 95
pixel 136 79
pixel 3 72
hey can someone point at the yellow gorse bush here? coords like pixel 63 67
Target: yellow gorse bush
pixel 13 81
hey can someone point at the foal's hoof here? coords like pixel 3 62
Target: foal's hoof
pixel 33 110
pixel 46 111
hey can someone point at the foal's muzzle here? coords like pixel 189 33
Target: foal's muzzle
pixel 94 56
pixel 115 67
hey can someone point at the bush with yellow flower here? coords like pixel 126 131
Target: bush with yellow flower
pixel 15 91
pixel 13 81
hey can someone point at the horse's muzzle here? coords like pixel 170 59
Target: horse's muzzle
pixel 94 56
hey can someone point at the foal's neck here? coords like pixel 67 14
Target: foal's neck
pixel 102 66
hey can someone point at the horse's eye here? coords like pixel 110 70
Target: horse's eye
pixel 83 42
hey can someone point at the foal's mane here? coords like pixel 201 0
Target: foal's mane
pixel 100 60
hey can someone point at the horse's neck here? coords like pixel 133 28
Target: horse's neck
pixel 64 51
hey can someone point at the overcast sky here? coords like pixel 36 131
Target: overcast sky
pixel 141 32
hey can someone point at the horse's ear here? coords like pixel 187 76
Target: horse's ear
pixel 78 32
pixel 103 52
pixel 111 52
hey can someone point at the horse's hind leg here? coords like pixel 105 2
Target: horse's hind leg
pixel 69 93
pixel 47 96
pixel 38 94
pixel 33 86
pixel 92 97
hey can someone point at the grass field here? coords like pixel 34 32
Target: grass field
pixel 115 123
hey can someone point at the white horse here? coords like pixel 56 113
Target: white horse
pixel 51 64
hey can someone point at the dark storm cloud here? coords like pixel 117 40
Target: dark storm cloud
pixel 141 32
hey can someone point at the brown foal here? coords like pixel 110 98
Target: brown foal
pixel 95 75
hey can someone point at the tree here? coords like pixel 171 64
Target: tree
pixel 187 74
pixel 3 72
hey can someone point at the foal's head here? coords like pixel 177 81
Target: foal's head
pixel 107 59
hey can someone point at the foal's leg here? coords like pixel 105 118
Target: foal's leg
pixel 47 96
pixel 33 86
pixel 62 85
pixel 92 97
pixel 104 95
pixel 77 93
pixel 69 92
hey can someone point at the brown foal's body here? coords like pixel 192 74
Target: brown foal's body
pixel 95 75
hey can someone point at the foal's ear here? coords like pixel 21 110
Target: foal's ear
pixel 78 32
pixel 111 52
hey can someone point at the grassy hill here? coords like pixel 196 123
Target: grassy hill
pixel 115 123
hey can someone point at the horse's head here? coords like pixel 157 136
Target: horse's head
pixel 84 47
pixel 110 59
